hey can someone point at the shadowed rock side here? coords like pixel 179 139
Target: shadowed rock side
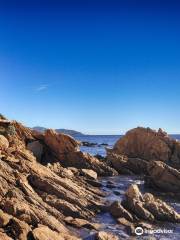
pixel 161 176
pixel 36 192
pixel 64 149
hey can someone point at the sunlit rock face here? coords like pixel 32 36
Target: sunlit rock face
pixel 148 145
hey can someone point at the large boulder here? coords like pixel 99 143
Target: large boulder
pixel 163 176
pixel 146 144
pixel 4 144
pixel 59 143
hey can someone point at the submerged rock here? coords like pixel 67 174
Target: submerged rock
pixel 88 144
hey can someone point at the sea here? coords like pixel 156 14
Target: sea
pixel 104 141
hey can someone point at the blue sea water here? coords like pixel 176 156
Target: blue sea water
pixel 99 139
pixel 104 139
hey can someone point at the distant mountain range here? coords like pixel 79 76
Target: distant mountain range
pixel 65 131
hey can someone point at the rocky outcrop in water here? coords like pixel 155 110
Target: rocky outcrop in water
pixel 137 207
pixel 149 145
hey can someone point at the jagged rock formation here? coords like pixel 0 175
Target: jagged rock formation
pixel 64 149
pixel 163 177
pixel 36 192
pixel 125 165
pixel 147 144
pixel 138 207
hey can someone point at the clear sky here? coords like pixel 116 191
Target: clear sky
pixel 99 67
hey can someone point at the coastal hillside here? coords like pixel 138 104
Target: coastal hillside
pixel 59 130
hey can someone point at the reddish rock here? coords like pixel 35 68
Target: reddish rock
pixel 59 143
pixel 146 144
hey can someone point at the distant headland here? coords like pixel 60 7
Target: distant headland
pixel 60 130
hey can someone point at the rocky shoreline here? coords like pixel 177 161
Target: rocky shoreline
pixel 50 189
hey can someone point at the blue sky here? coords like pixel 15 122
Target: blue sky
pixel 99 67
